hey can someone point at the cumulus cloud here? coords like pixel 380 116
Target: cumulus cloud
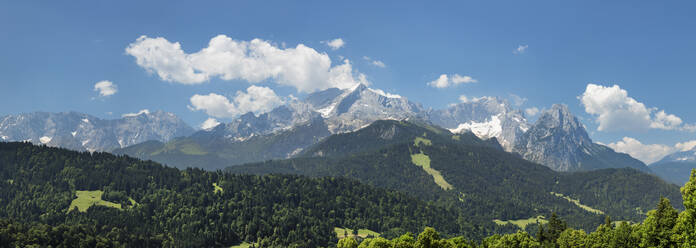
pixel 374 62
pixel 210 123
pixel 532 111
pixel 649 153
pixel 445 81
pixel 520 49
pixel 615 110
pixel 253 61
pixel 256 99
pixel 685 146
pixel 142 111
pixel 335 44
pixel 105 88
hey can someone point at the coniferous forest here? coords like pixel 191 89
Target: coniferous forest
pixel 663 227
pixel 144 204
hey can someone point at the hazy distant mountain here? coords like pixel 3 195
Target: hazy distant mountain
pixel 559 141
pixel 84 132
pixel 676 167
pixel 207 150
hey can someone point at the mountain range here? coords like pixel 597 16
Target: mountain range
pixel 480 161
pixel 557 139
pixel 84 132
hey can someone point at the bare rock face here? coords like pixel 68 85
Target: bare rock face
pixel 487 117
pixel 84 132
pixel 344 110
pixel 559 141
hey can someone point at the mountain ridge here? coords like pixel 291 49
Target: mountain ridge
pixel 85 132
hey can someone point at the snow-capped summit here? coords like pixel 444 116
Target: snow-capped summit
pixel 486 117
pixel 359 106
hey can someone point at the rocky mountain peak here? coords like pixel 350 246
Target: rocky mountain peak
pixel 559 141
pixel 559 121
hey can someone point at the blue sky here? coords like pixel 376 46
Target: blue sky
pixel 52 54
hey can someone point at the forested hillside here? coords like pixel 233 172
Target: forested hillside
pixel 51 196
pixel 663 227
pixel 487 184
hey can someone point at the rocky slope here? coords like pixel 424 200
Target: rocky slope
pixel 559 141
pixel 84 132
pixel 487 117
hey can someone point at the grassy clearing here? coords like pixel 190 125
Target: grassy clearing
pixel 456 137
pixel 217 188
pixel 86 199
pixel 577 203
pixel 433 129
pixel 522 223
pixel 421 140
pixel 423 161
pixel 242 245
pixel 362 233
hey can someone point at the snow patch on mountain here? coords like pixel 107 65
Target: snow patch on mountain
pixel 143 111
pixel 484 130
pixel 326 112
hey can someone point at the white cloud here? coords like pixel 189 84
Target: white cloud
pixel 209 124
pixel 335 44
pixel 445 81
pixel 643 152
pixel 463 99
pixel 379 64
pixel 254 61
pixel 649 153
pixel 685 146
pixel 532 111
pixel 520 49
pixel 615 110
pixel 256 99
pixel 375 62
pixel 105 88
pixel 142 111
